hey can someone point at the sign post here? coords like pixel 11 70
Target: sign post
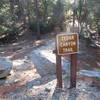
pixel 73 70
pixel 59 71
pixel 67 44
pixel 58 62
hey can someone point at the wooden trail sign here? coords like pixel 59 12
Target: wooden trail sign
pixel 67 44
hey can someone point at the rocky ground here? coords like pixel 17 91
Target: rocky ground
pixel 33 75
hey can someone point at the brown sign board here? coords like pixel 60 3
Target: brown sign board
pixel 67 43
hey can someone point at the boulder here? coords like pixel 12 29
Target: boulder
pixel 5 67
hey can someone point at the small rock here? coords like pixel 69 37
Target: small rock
pixel 16 80
pixel 5 67
pixel 26 57
pixel 47 90
pixel 2 81
pixel 83 90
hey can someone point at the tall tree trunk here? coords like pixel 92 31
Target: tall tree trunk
pixel 22 5
pixel 45 10
pixel 12 13
pixel 74 14
pixel 80 15
pixel 12 8
pixel 37 19
pixel 28 12
pixel 20 11
pixel 58 14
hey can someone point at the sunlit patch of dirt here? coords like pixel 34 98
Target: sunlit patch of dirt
pixel 12 87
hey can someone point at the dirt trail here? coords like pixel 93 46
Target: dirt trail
pixel 25 83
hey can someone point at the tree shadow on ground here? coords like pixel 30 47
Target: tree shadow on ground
pixel 2 81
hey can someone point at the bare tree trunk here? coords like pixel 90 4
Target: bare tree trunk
pixel 20 11
pixel 28 12
pixel 58 14
pixel 80 14
pixel 12 8
pixel 12 14
pixel 37 19
pixel 22 5
pixel 45 10
pixel 74 14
